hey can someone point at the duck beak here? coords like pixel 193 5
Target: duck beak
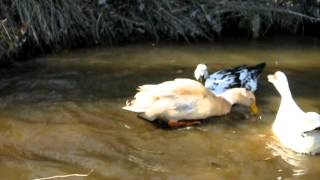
pixel 271 78
pixel 254 109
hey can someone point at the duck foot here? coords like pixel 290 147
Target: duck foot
pixel 174 123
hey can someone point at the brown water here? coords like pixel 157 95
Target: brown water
pixel 65 116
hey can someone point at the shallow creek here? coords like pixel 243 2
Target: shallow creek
pixel 61 114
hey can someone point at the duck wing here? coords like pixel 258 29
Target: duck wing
pixel 169 92
pixel 256 70
pixel 220 81
pixel 312 123
pixel 249 76
pixel 240 76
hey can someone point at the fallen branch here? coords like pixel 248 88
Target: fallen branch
pixel 65 176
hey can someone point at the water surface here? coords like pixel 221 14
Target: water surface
pixel 61 114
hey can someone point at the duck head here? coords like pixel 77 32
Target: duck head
pixel 201 73
pixel 280 81
pixel 243 97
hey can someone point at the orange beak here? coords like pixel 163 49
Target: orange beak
pixel 254 109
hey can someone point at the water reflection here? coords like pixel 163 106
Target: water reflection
pixel 65 116
pixel 297 161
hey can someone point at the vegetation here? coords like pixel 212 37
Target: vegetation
pixel 32 26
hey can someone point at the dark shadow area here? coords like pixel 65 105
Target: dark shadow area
pixel 236 117
pixel 30 28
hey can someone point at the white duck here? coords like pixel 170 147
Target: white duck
pixel 295 129
pixel 241 76
pixel 185 99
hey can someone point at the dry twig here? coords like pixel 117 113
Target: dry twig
pixel 65 176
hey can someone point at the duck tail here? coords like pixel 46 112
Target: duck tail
pixel 257 69
pixel 146 87
pixel 131 106
pixel 142 100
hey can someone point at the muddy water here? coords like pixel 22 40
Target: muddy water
pixel 65 116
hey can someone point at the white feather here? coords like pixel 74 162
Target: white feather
pixel 294 128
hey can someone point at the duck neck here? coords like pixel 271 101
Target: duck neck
pixel 287 102
pixel 202 79
pixel 285 92
pixel 286 98
pixel 229 97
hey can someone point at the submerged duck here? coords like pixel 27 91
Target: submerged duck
pixel 295 129
pixel 182 100
pixel 241 76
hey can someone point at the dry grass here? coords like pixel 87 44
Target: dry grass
pixel 29 26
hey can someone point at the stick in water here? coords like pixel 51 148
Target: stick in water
pixel 65 176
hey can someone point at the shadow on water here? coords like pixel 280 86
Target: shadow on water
pixel 119 82
pixel 65 116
